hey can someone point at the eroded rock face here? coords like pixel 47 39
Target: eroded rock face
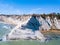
pixel 33 24
pixel 27 23
pixel 36 22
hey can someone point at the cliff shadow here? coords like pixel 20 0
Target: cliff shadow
pixel 32 24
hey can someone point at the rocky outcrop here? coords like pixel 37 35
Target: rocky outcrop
pixel 28 26
pixel 36 22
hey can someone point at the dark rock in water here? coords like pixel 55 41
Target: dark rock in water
pixel 0 39
pixel 52 37
pixel 56 37
pixel 48 38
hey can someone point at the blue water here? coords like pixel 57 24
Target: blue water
pixel 5 29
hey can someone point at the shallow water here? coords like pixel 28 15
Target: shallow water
pixel 30 42
pixel 5 29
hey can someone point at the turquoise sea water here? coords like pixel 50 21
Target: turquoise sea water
pixel 31 42
pixel 5 28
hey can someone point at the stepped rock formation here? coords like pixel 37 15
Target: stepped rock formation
pixel 28 26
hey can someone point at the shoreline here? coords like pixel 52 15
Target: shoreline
pixel 56 31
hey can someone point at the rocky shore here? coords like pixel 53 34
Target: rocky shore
pixel 46 24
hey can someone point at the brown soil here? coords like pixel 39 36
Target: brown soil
pixel 56 31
